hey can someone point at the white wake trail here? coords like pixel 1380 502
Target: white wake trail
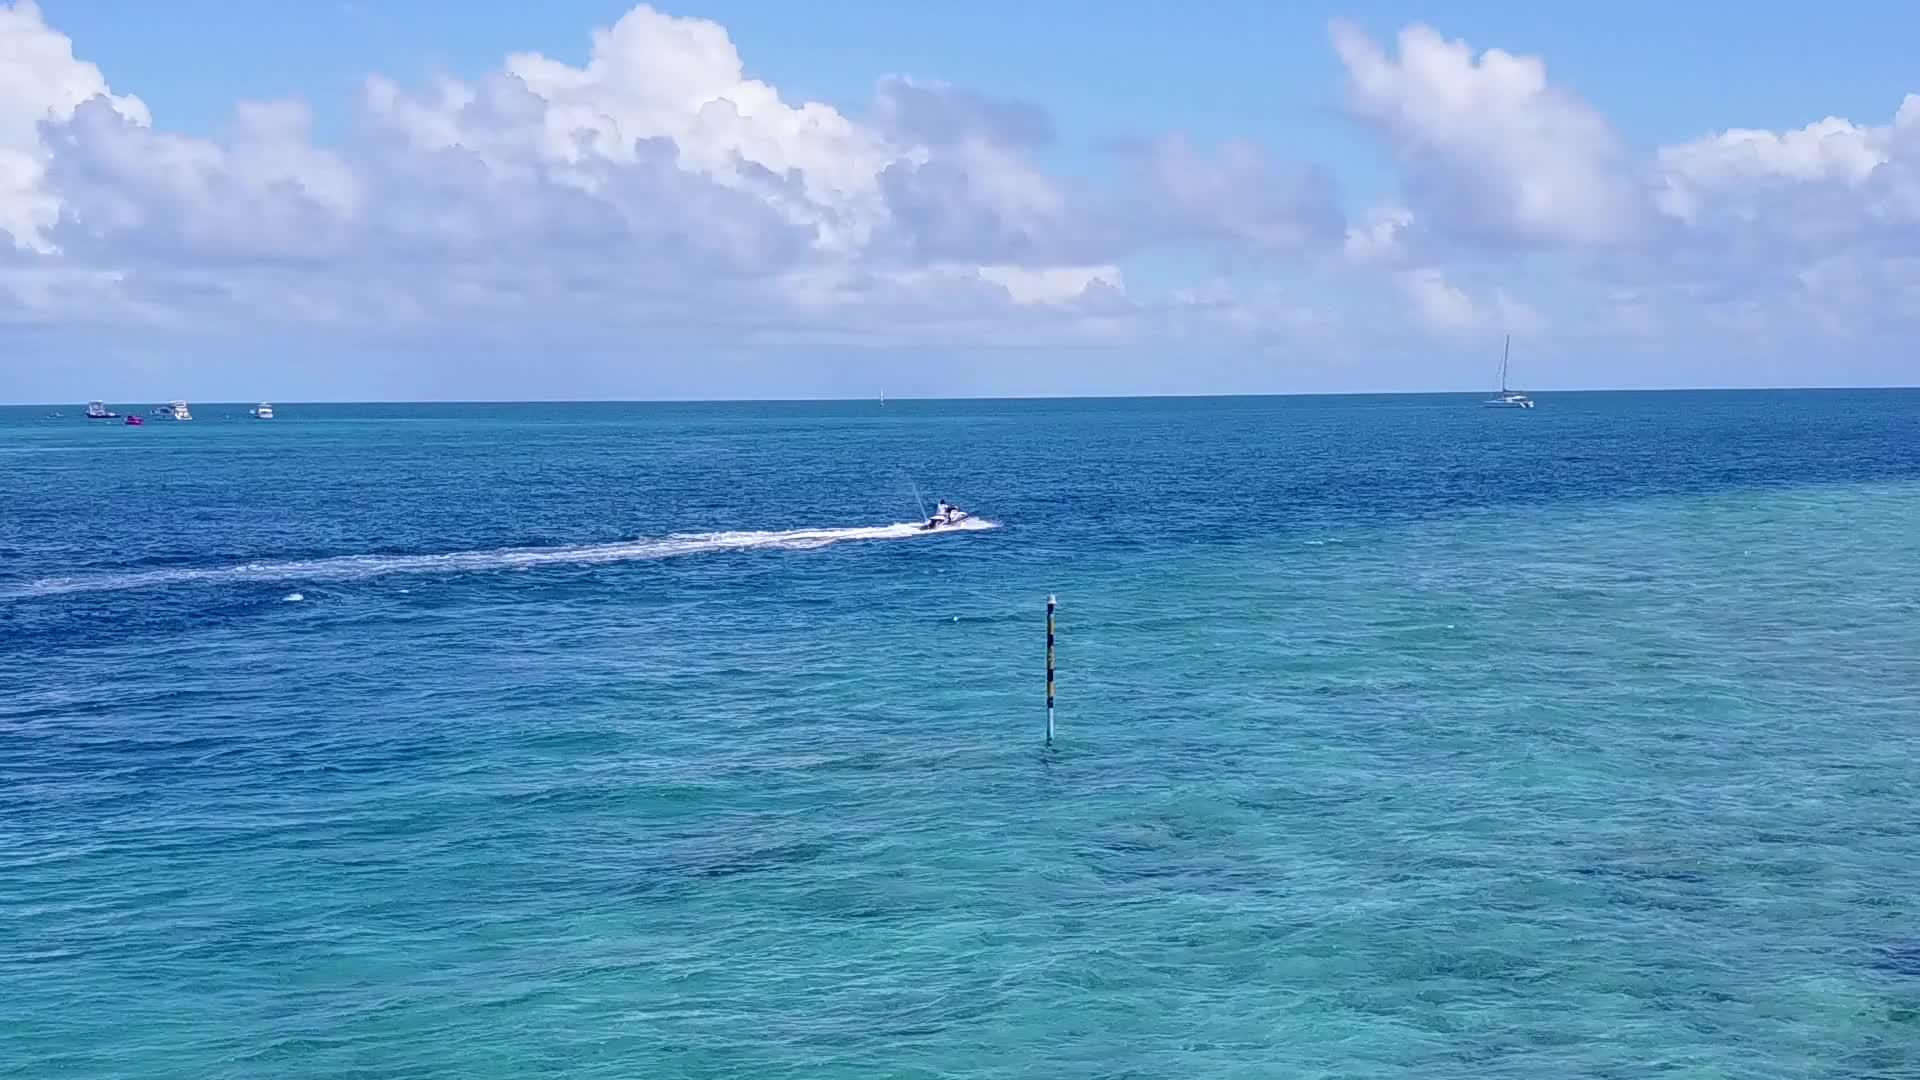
pixel 357 567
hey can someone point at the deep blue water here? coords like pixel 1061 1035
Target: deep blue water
pixel 1399 737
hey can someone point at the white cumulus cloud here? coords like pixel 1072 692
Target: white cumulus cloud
pixel 40 82
pixel 1053 285
pixel 1379 239
pixel 1437 302
pixel 650 78
pixel 1830 181
pixel 1489 145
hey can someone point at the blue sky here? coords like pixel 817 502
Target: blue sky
pixel 985 198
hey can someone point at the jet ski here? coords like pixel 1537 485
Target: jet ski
pixel 945 516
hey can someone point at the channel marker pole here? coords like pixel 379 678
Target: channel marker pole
pixel 1050 606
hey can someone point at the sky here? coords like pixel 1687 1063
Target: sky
pixel 579 199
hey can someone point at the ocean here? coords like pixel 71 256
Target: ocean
pixel 1398 737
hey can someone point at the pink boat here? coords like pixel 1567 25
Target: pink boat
pixel 135 420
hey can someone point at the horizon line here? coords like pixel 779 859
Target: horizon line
pixel 1195 395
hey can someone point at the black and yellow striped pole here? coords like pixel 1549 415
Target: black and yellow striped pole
pixel 1050 605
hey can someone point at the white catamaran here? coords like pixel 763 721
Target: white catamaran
pixel 1507 399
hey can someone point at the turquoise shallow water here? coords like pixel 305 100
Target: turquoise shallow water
pixel 1398 738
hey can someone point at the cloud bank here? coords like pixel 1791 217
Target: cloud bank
pixel 659 195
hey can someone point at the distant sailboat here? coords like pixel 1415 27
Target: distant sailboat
pixel 1508 399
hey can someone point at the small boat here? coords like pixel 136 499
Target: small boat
pixel 179 411
pixel 134 420
pixel 263 411
pixel 945 516
pixel 1507 399
pixel 97 410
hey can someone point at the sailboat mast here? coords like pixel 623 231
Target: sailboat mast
pixel 1504 350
